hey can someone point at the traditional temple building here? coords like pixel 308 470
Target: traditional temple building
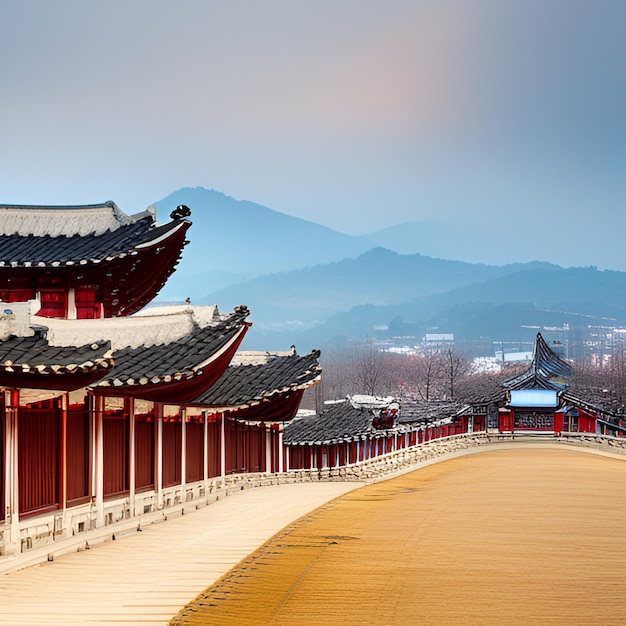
pixel 361 428
pixel 109 413
pixel 114 414
pixel 88 261
pixel 258 394
pixel 541 400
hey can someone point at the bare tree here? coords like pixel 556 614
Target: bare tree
pixel 366 369
pixel 455 366
pixel 424 375
pixel 617 367
pixel 358 369
pixel 337 374
pixel 370 371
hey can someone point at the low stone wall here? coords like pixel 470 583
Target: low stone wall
pixel 438 450
pixel 40 538
pixel 602 443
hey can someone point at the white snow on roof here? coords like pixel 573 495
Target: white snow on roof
pixel 64 221
pixel 251 357
pixel 370 402
pixel 155 326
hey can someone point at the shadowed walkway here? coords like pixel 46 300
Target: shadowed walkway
pixel 532 536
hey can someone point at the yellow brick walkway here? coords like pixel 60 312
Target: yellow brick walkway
pixel 520 536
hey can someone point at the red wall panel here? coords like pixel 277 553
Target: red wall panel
pixel 77 455
pixel 115 452
pixel 38 458
pixel 172 453
pixel 214 448
pixel 194 452
pixel 256 448
pixel 144 454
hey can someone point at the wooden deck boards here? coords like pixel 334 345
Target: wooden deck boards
pixel 145 578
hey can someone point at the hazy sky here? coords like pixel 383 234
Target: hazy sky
pixel 356 114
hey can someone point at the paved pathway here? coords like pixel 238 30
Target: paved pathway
pixel 146 578
pixel 507 537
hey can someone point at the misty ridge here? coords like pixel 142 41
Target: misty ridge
pixel 313 286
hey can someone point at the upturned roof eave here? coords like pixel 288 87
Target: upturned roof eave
pixel 64 370
pixel 176 387
pixel 235 406
pixel 68 260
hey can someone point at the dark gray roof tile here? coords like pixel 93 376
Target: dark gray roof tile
pixel 180 357
pixel 19 250
pixel 245 384
pixel 35 352
pixel 340 421
pixel 422 412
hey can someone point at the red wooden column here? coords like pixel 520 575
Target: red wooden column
pixel 205 464
pixel 63 461
pixel 129 406
pixel 91 489
pixel 268 449
pixel 280 449
pixel 183 453
pixel 158 454
pixel 222 419
pixel 11 477
pixel 99 458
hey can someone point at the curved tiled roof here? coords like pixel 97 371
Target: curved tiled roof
pixel 125 259
pixel 599 400
pixel 245 385
pixel 185 366
pixel 32 362
pixel 36 353
pixel 423 412
pixel 40 251
pixel 338 422
pixel 349 420
pixel 545 370
pixel 177 360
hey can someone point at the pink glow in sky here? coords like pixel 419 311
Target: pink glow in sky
pixel 356 114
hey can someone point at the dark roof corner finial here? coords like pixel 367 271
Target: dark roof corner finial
pixel 180 212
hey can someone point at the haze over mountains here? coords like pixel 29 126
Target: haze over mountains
pixel 315 287
pixel 233 240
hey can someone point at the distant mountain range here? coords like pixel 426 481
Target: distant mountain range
pixel 378 277
pixel 314 287
pixel 234 240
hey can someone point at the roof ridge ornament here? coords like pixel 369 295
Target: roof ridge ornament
pixel 180 212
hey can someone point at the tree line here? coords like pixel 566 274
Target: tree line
pixel 365 369
pixel 446 373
